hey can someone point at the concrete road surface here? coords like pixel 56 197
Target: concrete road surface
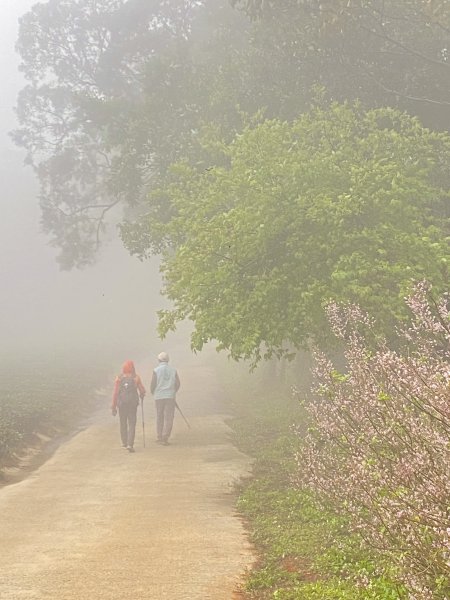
pixel 97 523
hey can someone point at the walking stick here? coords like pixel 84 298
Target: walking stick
pixel 186 421
pixel 143 425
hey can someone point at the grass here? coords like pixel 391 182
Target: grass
pixel 304 550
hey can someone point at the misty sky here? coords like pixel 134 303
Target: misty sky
pixel 42 307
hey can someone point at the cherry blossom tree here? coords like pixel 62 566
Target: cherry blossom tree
pixel 378 448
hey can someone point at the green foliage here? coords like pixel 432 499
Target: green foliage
pixel 304 551
pixel 338 590
pixel 381 52
pixel 341 204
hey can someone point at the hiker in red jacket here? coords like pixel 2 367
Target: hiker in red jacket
pixel 128 389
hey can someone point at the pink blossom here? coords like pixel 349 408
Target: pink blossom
pixel 379 444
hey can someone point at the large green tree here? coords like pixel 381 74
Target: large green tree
pixel 339 204
pixel 120 89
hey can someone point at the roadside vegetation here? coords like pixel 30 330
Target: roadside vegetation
pixel 303 550
pixel 349 494
pixel 45 397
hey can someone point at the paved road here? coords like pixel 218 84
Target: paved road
pixel 97 523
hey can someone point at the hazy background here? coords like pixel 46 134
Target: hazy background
pixel 108 307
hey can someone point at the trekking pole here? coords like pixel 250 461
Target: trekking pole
pixel 143 425
pixel 179 409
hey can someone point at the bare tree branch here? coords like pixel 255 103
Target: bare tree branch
pixel 406 96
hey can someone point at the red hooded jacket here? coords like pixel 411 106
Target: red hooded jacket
pixel 127 369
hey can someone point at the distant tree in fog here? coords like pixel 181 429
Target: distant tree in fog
pixel 116 92
pixel 382 52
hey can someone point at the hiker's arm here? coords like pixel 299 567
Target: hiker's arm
pixel 177 382
pixel 140 387
pixel 115 394
pixel 153 383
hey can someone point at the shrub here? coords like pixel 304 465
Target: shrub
pixel 378 449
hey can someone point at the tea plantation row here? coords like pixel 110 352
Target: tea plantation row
pixel 43 396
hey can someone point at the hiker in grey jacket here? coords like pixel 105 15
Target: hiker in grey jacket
pixel 164 386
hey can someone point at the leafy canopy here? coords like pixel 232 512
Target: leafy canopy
pixel 341 204
pixel 381 52
pixel 117 90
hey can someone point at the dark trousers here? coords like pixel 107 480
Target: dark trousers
pixel 127 416
pixel 165 411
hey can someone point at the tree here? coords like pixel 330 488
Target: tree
pixel 382 52
pixel 117 91
pixel 339 204
pixel 378 447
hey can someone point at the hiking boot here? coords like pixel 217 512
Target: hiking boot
pixel 130 449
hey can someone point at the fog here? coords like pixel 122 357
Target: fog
pixel 109 307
